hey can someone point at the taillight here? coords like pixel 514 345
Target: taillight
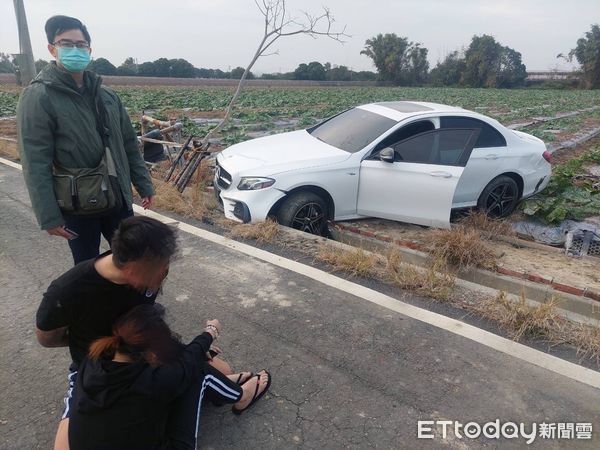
pixel 547 156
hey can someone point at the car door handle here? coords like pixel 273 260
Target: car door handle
pixel 441 174
pixel 491 156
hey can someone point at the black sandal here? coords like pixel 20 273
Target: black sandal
pixel 241 375
pixel 257 396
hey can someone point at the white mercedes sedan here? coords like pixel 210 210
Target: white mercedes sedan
pixel 407 161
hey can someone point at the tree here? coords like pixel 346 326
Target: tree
pixel 419 66
pixel 316 71
pixel 481 61
pixel 339 73
pixel 162 67
pixel 489 64
pixel 277 24
pixel 512 71
pixel 129 68
pixel 237 73
pixel 40 64
pixel 278 76
pixel 364 75
pixel 180 68
pixel 102 66
pixel 209 73
pixel 146 69
pixel 6 65
pixel 397 59
pixel 587 54
pixel 449 71
pixel 301 72
pixel 311 71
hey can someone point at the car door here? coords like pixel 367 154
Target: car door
pixel 488 158
pixel 418 185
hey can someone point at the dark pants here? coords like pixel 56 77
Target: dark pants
pixel 89 229
pixel 184 415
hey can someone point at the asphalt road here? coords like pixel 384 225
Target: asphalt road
pixel 346 373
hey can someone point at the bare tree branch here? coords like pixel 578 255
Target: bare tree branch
pixel 279 24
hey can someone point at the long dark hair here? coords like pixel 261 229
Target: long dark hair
pixel 142 335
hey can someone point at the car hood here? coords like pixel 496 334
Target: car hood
pixel 280 153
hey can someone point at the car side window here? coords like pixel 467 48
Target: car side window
pixel 488 136
pixel 444 147
pixel 409 130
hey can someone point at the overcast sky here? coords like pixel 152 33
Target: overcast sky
pixel 224 33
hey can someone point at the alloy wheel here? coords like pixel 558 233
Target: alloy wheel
pixel 501 200
pixel 309 218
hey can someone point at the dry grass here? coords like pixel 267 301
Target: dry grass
pixel 435 282
pixel 462 247
pixel 204 173
pixel 488 226
pixel 9 150
pixel 355 262
pixel 194 202
pixel 587 341
pixel 522 320
pixel 263 231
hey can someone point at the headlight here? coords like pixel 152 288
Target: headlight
pixel 255 183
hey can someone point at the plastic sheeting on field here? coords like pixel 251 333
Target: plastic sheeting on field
pixel 578 238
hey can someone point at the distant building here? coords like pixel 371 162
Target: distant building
pixel 551 75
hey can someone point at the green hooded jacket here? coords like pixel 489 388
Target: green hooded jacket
pixel 56 123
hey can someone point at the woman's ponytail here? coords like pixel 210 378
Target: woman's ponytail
pixel 137 334
pixel 105 346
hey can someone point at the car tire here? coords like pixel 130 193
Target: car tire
pixel 500 197
pixel 304 211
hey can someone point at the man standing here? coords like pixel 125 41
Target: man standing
pixel 66 120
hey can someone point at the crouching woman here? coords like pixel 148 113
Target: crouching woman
pixel 142 389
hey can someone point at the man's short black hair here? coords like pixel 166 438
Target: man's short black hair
pixel 143 238
pixel 59 24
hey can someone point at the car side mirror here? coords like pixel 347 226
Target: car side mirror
pixel 387 155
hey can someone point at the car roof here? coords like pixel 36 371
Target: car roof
pixel 400 110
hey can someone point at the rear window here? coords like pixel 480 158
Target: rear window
pixel 488 137
pixel 352 130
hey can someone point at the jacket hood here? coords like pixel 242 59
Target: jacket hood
pixel 103 382
pixel 52 75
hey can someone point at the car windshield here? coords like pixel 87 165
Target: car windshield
pixel 352 130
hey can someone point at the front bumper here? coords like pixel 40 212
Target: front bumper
pixel 249 206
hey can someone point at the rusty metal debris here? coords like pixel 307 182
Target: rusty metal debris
pixel 187 156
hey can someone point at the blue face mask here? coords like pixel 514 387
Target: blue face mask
pixel 74 59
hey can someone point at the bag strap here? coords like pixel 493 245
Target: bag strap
pixel 100 114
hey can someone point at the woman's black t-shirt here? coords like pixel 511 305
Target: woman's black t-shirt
pixel 88 304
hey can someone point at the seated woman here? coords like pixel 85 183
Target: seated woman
pixel 142 389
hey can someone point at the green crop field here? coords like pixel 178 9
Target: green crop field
pixel 266 104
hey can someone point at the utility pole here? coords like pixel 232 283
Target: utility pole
pixel 25 57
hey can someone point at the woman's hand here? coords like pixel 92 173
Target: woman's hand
pixel 213 326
